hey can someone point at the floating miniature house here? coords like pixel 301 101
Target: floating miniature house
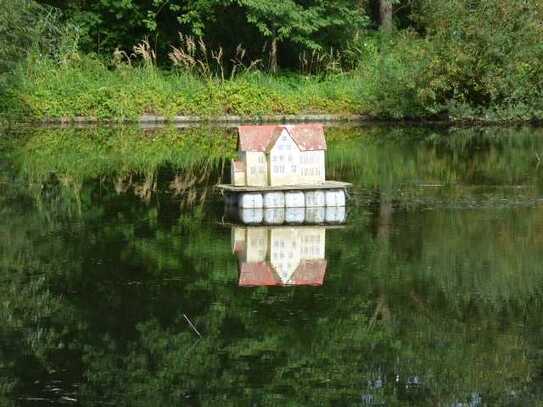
pixel 282 166
pixel 280 155
pixel 280 256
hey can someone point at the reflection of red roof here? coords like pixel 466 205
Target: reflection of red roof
pixel 309 272
pixel 308 137
pixel 257 274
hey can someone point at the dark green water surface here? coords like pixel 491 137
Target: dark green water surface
pixel 113 242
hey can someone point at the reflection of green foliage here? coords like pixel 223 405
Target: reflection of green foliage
pixel 85 154
pixel 124 160
pixel 444 297
pixel 462 166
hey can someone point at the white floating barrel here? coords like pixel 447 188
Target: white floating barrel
pixel 295 215
pixel 274 216
pixel 250 200
pixel 335 214
pixel 251 215
pixel 315 215
pixel 335 198
pixel 274 200
pixel 315 198
pixel 294 199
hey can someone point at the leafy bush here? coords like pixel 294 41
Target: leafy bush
pixel 485 57
pixel 389 72
pixel 469 59
pixel 26 26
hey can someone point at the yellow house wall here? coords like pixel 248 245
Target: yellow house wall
pixel 284 251
pixel 238 178
pixel 238 236
pixel 312 167
pixel 256 168
pixel 312 243
pixel 256 245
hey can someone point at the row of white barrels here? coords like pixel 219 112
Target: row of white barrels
pixel 290 199
pixel 279 216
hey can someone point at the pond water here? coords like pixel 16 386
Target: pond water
pixel 124 283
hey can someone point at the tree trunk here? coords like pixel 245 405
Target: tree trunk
pixel 385 15
pixel 385 219
pixel 273 56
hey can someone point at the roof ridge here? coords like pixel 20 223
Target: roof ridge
pixel 308 137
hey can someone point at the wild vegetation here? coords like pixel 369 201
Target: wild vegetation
pixel 385 58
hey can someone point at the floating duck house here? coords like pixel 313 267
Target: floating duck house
pixel 282 166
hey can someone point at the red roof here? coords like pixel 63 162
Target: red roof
pixel 309 272
pixel 308 137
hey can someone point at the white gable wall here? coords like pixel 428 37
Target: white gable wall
pixel 284 161
pixel 284 252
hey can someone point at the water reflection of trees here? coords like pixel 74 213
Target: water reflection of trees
pixel 411 315
pixel 457 167
pixel 185 163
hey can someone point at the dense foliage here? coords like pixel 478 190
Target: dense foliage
pixel 458 59
pixel 290 25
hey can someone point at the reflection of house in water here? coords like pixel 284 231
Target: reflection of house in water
pixel 279 256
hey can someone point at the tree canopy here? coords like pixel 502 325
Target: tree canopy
pixel 253 24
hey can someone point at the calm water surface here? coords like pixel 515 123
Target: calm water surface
pixel 123 282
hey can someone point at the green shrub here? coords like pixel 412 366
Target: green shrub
pixel 470 59
pixel 485 57
pixel 389 73
pixel 26 26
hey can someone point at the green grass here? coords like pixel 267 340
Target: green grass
pixel 86 87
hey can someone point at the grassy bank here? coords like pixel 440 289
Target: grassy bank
pixel 456 60
pixel 397 78
pixel 87 87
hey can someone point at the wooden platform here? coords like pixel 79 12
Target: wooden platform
pixel 313 187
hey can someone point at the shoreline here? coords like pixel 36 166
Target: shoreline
pixel 151 121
